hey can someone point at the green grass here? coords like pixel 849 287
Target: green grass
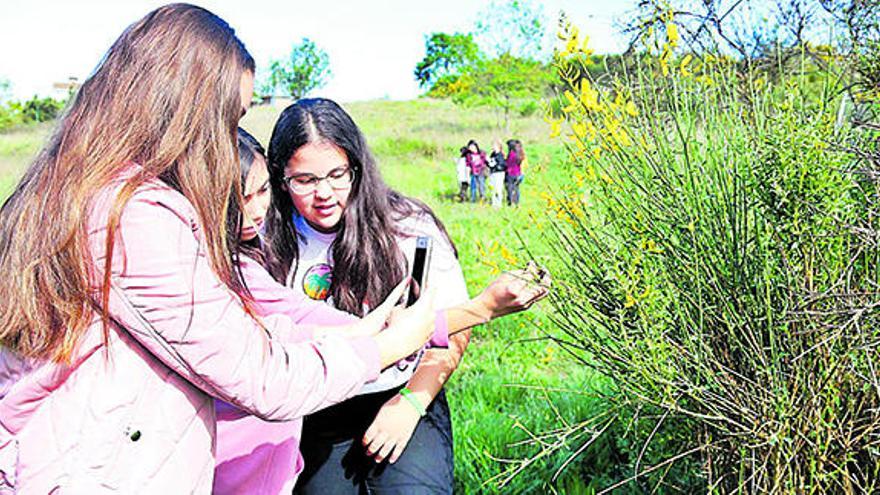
pixel 509 379
pixel 17 148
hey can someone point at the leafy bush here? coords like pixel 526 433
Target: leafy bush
pixel 722 258
pixel 37 109
pixel 407 148
pixel 8 118
pixel 528 108
pixel 41 109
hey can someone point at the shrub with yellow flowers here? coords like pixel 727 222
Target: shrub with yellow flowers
pixel 720 261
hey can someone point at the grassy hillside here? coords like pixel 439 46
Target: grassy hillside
pixel 510 380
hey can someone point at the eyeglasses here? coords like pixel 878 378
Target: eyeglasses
pixel 338 178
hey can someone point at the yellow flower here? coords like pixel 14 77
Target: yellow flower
pixel 621 137
pixel 585 48
pixel 493 266
pixel 683 66
pixel 572 102
pixel 630 301
pixel 548 355
pixel 589 96
pixel 651 247
pixel 664 60
pixel 630 109
pixel 571 46
pixel 508 256
pixel 591 131
pixel 672 33
pixel 706 80
pixel 555 128
pixel 596 152
pixel 482 250
pixel 692 226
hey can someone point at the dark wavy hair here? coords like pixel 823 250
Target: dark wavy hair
pixel 367 260
pixel 249 150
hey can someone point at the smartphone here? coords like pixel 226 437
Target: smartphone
pixel 421 261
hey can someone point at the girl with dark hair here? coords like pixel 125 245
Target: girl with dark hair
pixel 337 233
pixel 479 168
pixel 256 456
pixel 252 455
pixel 514 176
pixel 125 312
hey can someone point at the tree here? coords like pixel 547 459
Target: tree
pixel 306 69
pixel 512 75
pixel 503 83
pixel 446 55
pixel 513 27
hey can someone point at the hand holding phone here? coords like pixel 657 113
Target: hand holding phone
pixel 421 261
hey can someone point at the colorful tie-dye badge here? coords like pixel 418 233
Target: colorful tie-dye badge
pixel 316 281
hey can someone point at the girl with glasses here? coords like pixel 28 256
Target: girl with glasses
pixel 337 233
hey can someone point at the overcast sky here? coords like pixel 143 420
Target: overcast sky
pixel 373 45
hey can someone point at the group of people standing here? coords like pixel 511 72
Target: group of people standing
pixel 504 173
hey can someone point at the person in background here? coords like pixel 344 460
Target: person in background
pixel 514 176
pixel 497 171
pixel 478 166
pixel 463 173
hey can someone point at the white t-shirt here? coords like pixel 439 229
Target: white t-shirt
pixel 313 275
pixel 462 170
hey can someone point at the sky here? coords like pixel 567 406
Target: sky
pixel 373 45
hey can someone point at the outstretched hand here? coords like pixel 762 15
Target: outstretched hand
pixel 516 290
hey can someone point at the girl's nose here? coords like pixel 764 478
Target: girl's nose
pixel 323 189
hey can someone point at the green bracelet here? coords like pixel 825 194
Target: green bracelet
pixel 408 395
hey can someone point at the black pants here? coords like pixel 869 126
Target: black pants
pixel 335 465
pixel 511 183
pixel 462 192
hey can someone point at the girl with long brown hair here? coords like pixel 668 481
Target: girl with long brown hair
pixel 124 312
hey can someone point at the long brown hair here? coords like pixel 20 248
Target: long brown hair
pixel 165 96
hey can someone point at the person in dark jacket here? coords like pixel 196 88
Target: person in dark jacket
pixel 497 170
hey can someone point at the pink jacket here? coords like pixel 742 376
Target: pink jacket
pixel 253 455
pixel 137 415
